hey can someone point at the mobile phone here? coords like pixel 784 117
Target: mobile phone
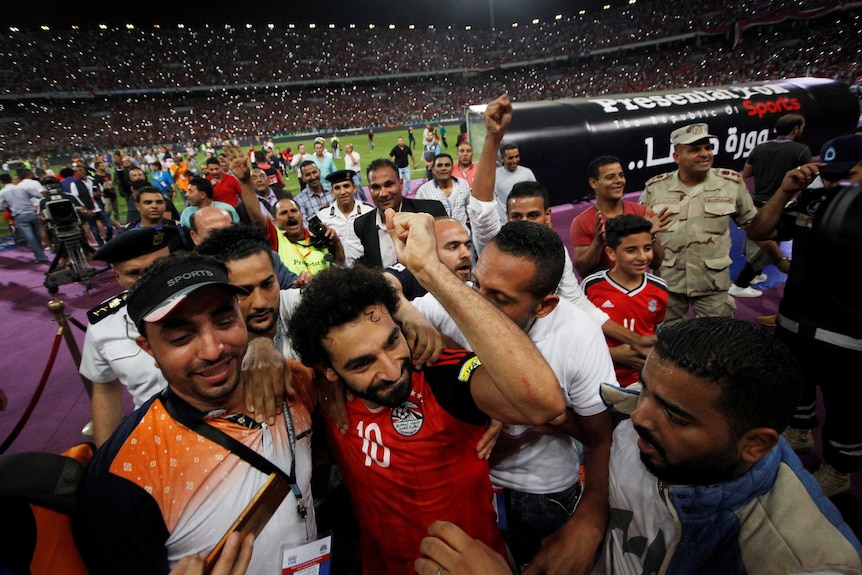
pixel 255 515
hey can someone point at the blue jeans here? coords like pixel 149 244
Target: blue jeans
pixel 91 222
pixel 105 217
pixel 405 175
pixel 29 228
pixel 532 517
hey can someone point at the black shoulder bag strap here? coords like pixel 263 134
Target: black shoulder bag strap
pixel 246 453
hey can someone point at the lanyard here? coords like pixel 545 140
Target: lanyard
pixel 174 404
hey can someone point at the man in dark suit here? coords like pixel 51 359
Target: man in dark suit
pixel 267 195
pixel 386 186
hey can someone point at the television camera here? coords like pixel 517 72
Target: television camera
pixel 62 219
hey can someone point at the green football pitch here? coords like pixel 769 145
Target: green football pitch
pixel 384 141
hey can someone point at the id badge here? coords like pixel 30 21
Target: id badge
pixel 314 558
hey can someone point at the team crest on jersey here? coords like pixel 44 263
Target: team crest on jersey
pixel 652 305
pixel 407 419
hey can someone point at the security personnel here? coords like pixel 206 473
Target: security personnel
pixel 341 214
pixel 110 358
pixel 697 244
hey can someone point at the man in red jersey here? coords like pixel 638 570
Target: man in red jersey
pixel 408 456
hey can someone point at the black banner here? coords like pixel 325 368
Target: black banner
pixel 557 139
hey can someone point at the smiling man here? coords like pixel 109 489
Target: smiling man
pixel 386 191
pixel 608 181
pixel 409 457
pixel 702 201
pixel 341 215
pixel 161 487
pixel 452 192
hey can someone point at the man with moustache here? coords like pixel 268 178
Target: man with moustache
pixel 700 479
pixel 404 423
pixel 299 249
pixel 315 196
pixel 162 487
pixel 386 190
pixel 266 195
pixel 465 168
pixel 702 201
pixel 455 250
pixel 244 250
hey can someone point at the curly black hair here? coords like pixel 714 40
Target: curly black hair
pixel 335 297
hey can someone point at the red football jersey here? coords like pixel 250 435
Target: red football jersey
pixel 409 466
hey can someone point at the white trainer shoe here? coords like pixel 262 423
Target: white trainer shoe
pixel 749 291
pixel 759 279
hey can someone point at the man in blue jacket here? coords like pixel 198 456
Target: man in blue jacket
pixel 701 480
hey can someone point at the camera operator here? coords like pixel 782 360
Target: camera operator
pixel 87 190
pixel 302 250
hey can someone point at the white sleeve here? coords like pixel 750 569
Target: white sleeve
pixel 589 365
pixel 434 312
pixel 571 291
pixel 94 366
pixel 484 222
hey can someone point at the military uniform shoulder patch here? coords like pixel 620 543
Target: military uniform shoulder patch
pixel 728 174
pixel 107 308
pixel 658 178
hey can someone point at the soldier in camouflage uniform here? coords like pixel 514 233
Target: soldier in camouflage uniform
pixel 697 243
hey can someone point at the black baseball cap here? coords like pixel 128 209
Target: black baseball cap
pixel 841 154
pixel 160 293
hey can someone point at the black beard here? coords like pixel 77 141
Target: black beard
pixel 396 393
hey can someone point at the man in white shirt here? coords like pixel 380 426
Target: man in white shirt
pixel 341 215
pixel 509 174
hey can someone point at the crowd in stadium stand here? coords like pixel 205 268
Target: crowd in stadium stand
pixel 131 76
